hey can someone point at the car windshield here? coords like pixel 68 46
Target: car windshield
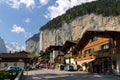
pixel 14 68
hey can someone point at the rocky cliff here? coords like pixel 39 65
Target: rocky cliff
pixel 2 46
pixel 96 15
pixel 32 44
pixel 74 29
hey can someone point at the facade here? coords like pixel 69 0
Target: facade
pixel 54 52
pixel 14 59
pixel 69 55
pixel 99 51
pixel 59 58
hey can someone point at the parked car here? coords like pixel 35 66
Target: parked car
pixel 62 67
pixel 68 68
pixel 14 69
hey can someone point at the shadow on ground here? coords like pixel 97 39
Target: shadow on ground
pixel 70 76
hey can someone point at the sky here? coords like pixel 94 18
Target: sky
pixel 21 19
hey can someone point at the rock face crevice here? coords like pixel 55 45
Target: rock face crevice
pixel 75 29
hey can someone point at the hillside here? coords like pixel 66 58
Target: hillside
pixel 32 44
pixel 99 7
pixel 97 15
pixel 2 46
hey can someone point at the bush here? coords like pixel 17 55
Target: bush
pixel 86 69
pixel 5 75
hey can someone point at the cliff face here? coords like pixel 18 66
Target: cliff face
pixel 2 46
pixel 71 31
pixel 32 44
pixel 74 29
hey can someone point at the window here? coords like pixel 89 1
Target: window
pixel 90 40
pixel 85 52
pixel 95 38
pixel 88 51
pixel 109 45
pixel 100 47
pixel 5 65
pixel 15 64
pixel 92 50
pixel 105 46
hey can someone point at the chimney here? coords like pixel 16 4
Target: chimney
pixel 10 52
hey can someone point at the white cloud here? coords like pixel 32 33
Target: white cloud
pixel 27 20
pixel 17 3
pixel 44 2
pixel 61 6
pixel 14 46
pixel 18 29
pixel 28 3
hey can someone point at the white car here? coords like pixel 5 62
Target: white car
pixel 68 68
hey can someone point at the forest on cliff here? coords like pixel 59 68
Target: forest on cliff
pixel 99 7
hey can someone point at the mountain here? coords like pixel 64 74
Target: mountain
pixel 99 7
pixel 97 15
pixel 13 46
pixel 2 46
pixel 75 29
pixel 32 44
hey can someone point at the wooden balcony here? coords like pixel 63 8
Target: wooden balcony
pixel 103 53
pixel 84 57
pixel 108 52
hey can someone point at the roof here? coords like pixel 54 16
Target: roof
pixel 21 54
pixel 53 47
pixel 68 44
pixel 90 34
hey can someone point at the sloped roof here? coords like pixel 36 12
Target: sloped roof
pixel 68 44
pixel 54 47
pixel 21 54
pixel 90 34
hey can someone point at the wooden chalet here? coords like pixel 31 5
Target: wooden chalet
pixel 55 55
pixel 15 59
pixel 99 51
pixel 68 54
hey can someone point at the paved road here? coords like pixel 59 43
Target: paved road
pixel 46 74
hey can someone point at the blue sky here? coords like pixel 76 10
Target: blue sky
pixel 20 19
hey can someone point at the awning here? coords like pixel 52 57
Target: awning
pixel 69 55
pixel 85 61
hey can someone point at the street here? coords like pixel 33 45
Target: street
pixel 46 74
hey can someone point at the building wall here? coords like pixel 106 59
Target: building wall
pixel 67 61
pixel 118 64
pixel 96 43
pixel 4 65
pixel 72 61
pixel 53 55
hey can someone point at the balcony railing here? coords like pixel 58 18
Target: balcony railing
pixel 108 52
pixel 102 53
pixel 84 57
